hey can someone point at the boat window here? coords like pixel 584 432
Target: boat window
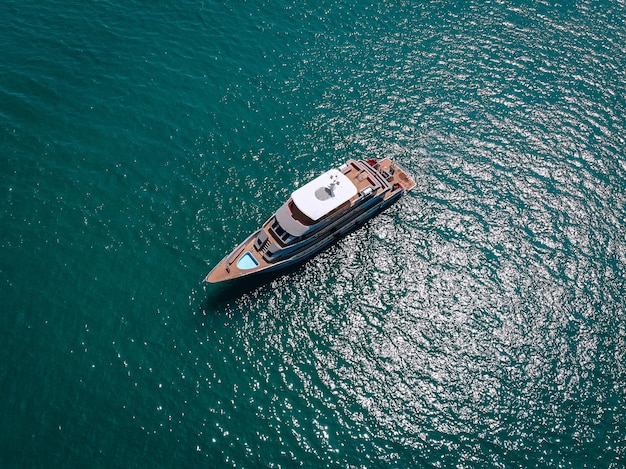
pixel 298 215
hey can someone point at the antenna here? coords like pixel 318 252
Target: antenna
pixel 334 181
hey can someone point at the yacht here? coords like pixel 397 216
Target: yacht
pixel 315 215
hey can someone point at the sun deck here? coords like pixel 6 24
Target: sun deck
pixel 324 194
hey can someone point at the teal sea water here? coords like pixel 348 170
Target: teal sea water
pixel 480 322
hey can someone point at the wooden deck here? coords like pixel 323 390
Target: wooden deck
pixel 399 175
pixel 393 173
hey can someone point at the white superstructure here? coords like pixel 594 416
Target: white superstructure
pixel 324 194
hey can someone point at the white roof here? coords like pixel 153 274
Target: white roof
pixel 324 194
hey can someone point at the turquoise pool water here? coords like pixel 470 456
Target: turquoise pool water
pixel 247 261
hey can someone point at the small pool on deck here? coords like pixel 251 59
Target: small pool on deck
pixel 247 261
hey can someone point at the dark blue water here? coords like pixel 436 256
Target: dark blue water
pixel 479 322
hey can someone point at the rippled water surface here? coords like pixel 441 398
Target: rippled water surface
pixel 479 322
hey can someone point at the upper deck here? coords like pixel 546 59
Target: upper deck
pixel 340 188
pixel 324 194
